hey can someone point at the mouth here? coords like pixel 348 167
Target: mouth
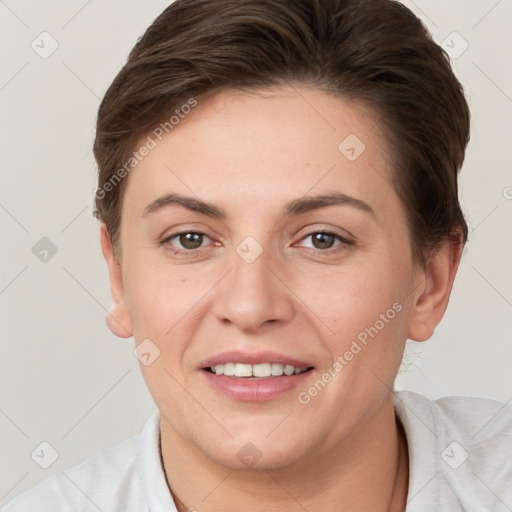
pixel 255 377
pixel 256 371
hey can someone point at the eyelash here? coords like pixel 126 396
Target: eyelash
pixel 342 245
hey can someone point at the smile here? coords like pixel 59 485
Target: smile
pixel 255 371
pixel 260 376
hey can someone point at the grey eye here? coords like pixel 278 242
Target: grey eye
pixel 323 240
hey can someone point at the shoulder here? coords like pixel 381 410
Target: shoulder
pixel 470 416
pixel 109 480
pixel 463 443
pixel 471 419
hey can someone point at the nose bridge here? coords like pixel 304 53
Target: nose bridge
pixel 252 296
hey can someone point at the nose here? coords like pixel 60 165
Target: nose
pixel 254 296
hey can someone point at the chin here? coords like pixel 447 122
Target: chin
pixel 253 451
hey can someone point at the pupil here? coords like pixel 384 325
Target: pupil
pixel 323 240
pixel 191 240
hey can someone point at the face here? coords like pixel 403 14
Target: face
pixel 260 238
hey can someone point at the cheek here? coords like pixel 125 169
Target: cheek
pixel 348 300
pixel 163 300
pixel 362 310
pixel 165 309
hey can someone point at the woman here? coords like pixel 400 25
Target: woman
pixel 279 214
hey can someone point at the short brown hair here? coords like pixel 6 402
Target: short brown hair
pixel 374 51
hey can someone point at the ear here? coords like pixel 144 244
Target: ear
pixel 118 320
pixel 435 284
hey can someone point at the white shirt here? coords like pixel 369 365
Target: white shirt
pixel 460 457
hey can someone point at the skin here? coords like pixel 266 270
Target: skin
pixel 250 154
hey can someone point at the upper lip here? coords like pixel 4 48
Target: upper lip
pixel 244 357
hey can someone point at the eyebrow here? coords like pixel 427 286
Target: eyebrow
pixel 306 204
pixel 295 207
pixel 190 203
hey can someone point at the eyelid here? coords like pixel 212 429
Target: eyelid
pixel 320 227
pixel 167 239
pixel 343 241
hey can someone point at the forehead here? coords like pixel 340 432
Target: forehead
pixel 256 148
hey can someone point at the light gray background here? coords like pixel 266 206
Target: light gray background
pixel 65 379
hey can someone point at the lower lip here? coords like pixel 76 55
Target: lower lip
pixel 255 390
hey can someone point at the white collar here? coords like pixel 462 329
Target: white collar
pixel 415 414
pixel 152 474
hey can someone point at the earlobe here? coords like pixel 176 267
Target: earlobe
pixel 118 319
pixel 435 289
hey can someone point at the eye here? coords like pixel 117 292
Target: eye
pixel 187 241
pixel 324 240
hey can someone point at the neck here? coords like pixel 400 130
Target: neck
pixel 368 471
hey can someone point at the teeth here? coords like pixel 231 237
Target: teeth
pixel 229 369
pixel 243 370
pixel 261 370
pixel 288 369
pixel 277 370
